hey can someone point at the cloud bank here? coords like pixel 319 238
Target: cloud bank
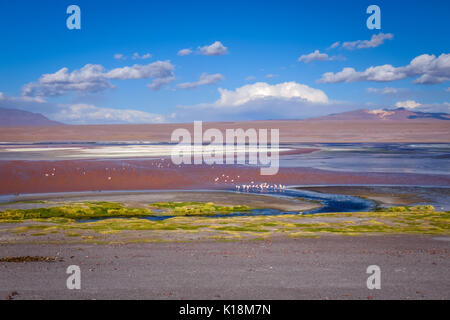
pixel 90 114
pixel 426 107
pixel 94 78
pixel 429 69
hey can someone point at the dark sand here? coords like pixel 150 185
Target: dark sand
pixel 412 267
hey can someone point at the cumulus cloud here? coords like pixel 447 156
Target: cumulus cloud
pixel 215 49
pixel 90 114
pixel 271 75
pixel 184 52
pixel 94 78
pixel 429 68
pixel 315 56
pixel 263 90
pixel 250 78
pixel 375 41
pixel 90 78
pixel 119 56
pixel 408 104
pixel 262 101
pixel 205 79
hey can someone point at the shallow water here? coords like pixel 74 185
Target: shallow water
pixel 329 202
pixel 374 157
pixel 423 158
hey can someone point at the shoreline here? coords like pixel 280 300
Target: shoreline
pixel 219 197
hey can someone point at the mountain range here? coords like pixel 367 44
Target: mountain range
pixel 399 114
pixel 21 118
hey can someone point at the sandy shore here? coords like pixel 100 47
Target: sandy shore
pixel 140 199
pixel 412 267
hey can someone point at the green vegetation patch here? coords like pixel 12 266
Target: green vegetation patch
pixel 100 210
pixel 77 211
pixel 196 208
pixel 131 228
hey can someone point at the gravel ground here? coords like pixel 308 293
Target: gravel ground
pixel 330 267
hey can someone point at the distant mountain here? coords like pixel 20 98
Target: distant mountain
pixel 20 118
pixel 384 114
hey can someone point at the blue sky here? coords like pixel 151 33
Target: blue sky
pixel 249 50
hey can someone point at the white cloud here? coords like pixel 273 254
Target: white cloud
pixel 158 69
pixel 93 78
pixel 429 69
pixel 375 41
pixel 386 90
pixel 424 107
pixel 436 107
pixel 271 75
pixel 262 101
pixel 80 113
pixel 90 114
pixel 159 82
pixel 135 56
pixel 143 57
pixel 215 49
pixel 408 104
pixel 90 78
pixel 263 90
pixel 184 52
pixel 21 99
pixel 334 45
pixel 315 56
pixel 250 78
pixel 205 79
